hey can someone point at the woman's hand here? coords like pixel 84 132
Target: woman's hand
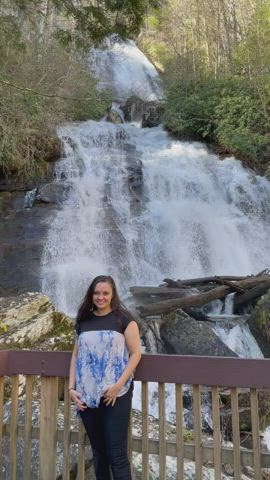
pixel 76 398
pixel 110 395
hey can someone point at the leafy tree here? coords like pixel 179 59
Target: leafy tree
pixel 97 19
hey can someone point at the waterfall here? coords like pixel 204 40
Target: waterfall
pixel 121 66
pixel 193 217
pixel 189 215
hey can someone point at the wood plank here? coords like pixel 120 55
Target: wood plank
pixel 255 433
pixel 145 434
pixel 48 427
pixel 162 431
pixel 81 451
pixel 14 425
pixel 2 384
pixel 246 456
pixel 179 431
pixel 197 431
pixel 236 434
pixel 28 427
pixel 66 434
pixel 216 432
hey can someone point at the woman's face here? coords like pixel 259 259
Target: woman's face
pixel 102 296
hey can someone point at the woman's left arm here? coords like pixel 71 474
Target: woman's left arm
pixel 133 343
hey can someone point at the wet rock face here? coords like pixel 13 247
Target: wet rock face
pixel 183 335
pixel 23 232
pixel 136 109
pixel 133 109
pixel 52 193
pixel 152 114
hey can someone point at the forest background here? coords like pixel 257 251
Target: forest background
pixel 213 55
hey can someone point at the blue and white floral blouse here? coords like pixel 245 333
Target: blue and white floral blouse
pixel 102 355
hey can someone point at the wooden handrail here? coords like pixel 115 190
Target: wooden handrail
pixel 182 369
pixel 217 373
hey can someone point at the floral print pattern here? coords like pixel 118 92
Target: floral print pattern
pixel 102 358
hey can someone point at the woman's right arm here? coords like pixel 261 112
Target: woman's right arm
pixel 74 395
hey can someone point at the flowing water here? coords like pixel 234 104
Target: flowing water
pixel 194 215
pixel 188 215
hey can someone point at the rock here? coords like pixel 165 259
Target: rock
pixel 133 109
pixel 22 232
pixel 259 324
pixel 183 335
pixel 152 112
pixel 53 192
pixel 30 320
pixel 114 117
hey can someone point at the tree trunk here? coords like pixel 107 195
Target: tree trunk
pixel 203 298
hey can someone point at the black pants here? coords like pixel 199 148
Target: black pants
pixel 107 429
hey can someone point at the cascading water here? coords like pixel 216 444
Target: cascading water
pixel 143 206
pixel 121 66
pixel 195 215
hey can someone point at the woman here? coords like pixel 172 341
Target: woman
pixel 106 353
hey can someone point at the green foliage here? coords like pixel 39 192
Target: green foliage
pixel 46 84
pixel 95 21
pixel 227 111
pixel 216 73
pixel 3 328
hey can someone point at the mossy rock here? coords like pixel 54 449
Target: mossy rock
pixel 262 315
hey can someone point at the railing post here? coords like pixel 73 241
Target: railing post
pixel 1 418
pixel 14 426
pixel 48 428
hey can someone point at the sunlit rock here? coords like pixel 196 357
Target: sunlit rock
pixel 31 321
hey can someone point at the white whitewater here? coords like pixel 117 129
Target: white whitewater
pixel 122 67
pixel 198 215
pixel 234 331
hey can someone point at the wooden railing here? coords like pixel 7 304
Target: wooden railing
pixel 36 377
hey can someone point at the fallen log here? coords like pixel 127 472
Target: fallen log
pixel 166 306
pixel 158 291
pixel 201 299
pixel 251 295
pixel 194 281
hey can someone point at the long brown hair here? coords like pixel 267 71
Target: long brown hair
pixel 87 304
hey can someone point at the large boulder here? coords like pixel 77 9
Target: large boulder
pixel 259 324
pixel 133 109
pixel 53 192
pixel 31 321
pixel 183 335
pixel 148 112
pixel 152 114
